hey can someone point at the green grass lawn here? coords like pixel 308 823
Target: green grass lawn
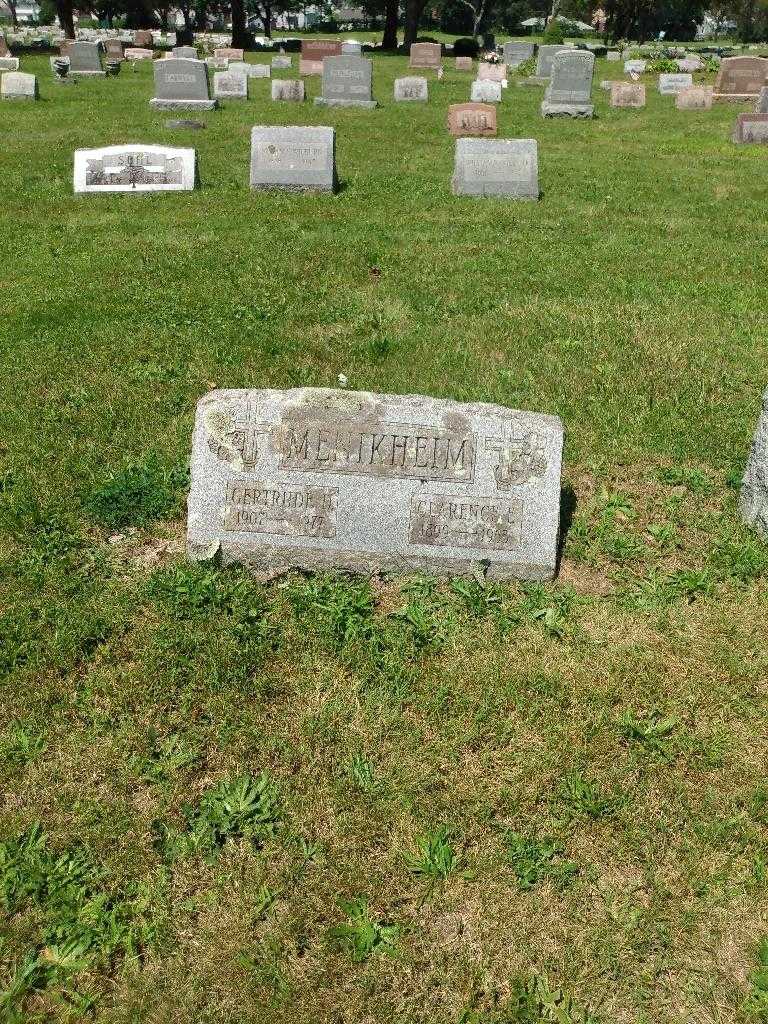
pixel 330 799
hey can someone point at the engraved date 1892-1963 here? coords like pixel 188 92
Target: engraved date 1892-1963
pixel 459 521
pixel 289 510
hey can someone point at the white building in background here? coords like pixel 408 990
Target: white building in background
pixel 711 27
pixel 26 11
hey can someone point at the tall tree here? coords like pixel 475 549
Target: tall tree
pixel 240 36
pixel 66 19
pixel 391 13
pixel 413 12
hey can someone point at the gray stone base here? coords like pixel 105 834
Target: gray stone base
pixel 532 80
pixel 20 98
pixel 156 104
pixel 366 104
pixel 301 189
pixel 191 125
pixel 65 81
pixel 567 109
pixel 88 74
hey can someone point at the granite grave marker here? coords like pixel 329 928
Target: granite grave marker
pixel 288 90
pixel 754 486
pixel 84 58
pixel 347 83
pixel 425 55
pixel 293 159
pixel 514 54
pixel 181 84
pixel 472 119
pixel 672 84
pixel 496 167
pixel 17 85
pixel 485 92
pixel 411 89
pixel 230 85
pixel 569 91
pixel 697 97
pixel 751 127
pixel 740 78
pixel 134 168
pixel 627 94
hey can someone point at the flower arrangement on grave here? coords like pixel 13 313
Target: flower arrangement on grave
pixel 491 57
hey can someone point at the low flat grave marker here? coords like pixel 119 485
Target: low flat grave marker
pixel 9 63
pixel 143 39
pixel 250 70
pixel 464 64
pixel 425 55
pixel 315 478
pixel 753 502
pixel 134 168
pixel 287 90
pixel 627 94
pixel 485 92
pixel 181 84
pixel 671 85
pixel 636 66
pixel 184 52
pixel 569 92
pixel 697 97
pixel 496 167
pixel 228 53
pixel 138 53
pixel 230 85
pixel 347 83
pixel 282 62
pixel 472 119
pixel 750 128
pixel 491 72
pixel 17 85
pixel 293 159
pixel 411 89
pixel 740 78
pixel 349 48
pixel 113 48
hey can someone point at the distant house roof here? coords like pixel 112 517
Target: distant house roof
pixel 350 14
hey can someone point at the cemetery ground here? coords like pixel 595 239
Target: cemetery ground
pixel 327 798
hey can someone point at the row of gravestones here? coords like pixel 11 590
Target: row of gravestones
pixel 301 159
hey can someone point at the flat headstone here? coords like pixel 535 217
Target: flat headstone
pixel 496 167
pixel 288 90
pixel 143 39
pixel 754 486
pixel 544 59
pixel 228 53
pixel 184 123
pixel 134 168
pixel 638 66
pixel 294 159
pixel 181 84
pixel 185 52
pixel 485 92
pixel 671 85
pixel 613 55
pixel 464 64
pixel 310 67
pixel 569 92
pixel 113 48
pixel 491 72
pixel 251 70
pixel 751 127
pixel 230 85
pixel 697 97
pixel 514 54
pixel 315 478
pixel 138 53
pixel 740 78
pixel 217 63
pixel 347 83
pixel 349 48
pixel 9 63
pixel 16 85
pixel 472 119
pixel 690 64
pixel 314 52
pixel 84 58
pixel 425 55
pixel 282 62
pixel 411 89
pixel 627 94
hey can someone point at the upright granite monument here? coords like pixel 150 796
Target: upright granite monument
pixel 569 93
pixel 740 78
pixel 496 167
pixel 425 55
pixel 516 53
pixel 315 478
pixel 181 84
pixel 85 58
pixel 754 487
pixel 347 83
pixel 293 159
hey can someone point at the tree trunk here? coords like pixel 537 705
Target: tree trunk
pixel 413 9
pixel 389 39
pixel 66 21
pixel 239 33
pixel 267 19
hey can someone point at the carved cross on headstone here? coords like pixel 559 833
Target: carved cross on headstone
pixel 521 458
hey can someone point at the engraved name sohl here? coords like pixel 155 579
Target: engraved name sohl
pixel 293 511
pixel 458 521
pixel 392 449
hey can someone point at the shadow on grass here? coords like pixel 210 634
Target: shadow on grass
pixel 567 510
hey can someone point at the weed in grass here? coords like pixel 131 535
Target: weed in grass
pixel 535 859
pixel 166 757
pixel 740 560
pixel 756 1003
pixel 435 857
pixel 664 535
pixel 340 608
pixel 137 495
pixel 242 808
pixel 361 772
pixel 21 744
pixel 362 935
pixel 532 1000
pixel 694 480
pixel 264 967
pixel 551 608
pixel 479 596
pixel 580 797
pixel 654 731
pixel 657 591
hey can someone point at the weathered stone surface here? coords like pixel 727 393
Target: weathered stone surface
pixel 184 123
pixel 570 88
pixel 411 89
pixel 181 84
pixel 740 78
pixel 230 85
pixel 472 119
pixel 310 67
pixel 754 486
pixel 627 94
pixel 349 48
pixel 4 50
pixel 185 52
pixel 288 90
pixel 638 66
pixel 134 168
pixel 464 64
pixel 143 38
pixel 698 97
pixel 515 54
pixel 229 53
pixel 496 167
pixel 314 478
pixel 751 127
pixel 113 48
pixel 607 84
pixel 250 70
pixel 485 92
pixel 84 58
pixel 544 59
pixel 761 107
pixel 491 72
pixel 316 50
pixel 347 83
pixel 16 85
pixel 9 63
pixel 425 55
pixel 671 85
pixel 690 64
pixel 293 159
pixel 613 55
pixel 138 53
pixel 282 62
